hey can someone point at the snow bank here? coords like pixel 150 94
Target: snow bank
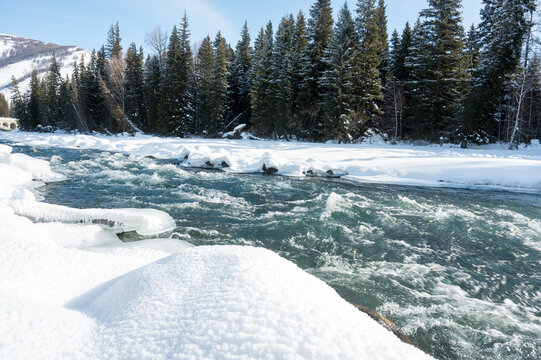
pixel 75 291
pixel 491 166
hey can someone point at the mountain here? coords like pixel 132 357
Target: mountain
pixel 19 56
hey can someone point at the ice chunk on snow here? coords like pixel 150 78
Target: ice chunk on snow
pixel 143 221
pixel 232 302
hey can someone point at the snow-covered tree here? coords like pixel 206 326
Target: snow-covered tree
pixel 439 70
pixel 134 85
pixel 319 31
pixel 239 81
pixel 501 31
pixel 338 81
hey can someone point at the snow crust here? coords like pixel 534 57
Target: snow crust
pixel 491 166
pixel 75 291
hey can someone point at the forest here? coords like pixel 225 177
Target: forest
pixel 313 78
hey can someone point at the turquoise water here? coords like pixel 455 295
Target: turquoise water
pixel 457 270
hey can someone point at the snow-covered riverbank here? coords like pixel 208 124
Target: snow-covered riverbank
pixel 69 289
pixel 485 167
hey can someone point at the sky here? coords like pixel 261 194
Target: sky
pixel 85 23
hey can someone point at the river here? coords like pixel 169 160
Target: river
pixel 457 270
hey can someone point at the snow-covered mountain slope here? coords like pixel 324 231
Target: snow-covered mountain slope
pixel 19 56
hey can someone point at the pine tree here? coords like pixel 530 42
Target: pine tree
pixel 220 71
pixel 369 95
pixel 239 82
pixel 501 32
pixel 178 81
pixel 473 49
pixel 300 40
pixel 338 81
pixel 101 64
pixel 134 93
pixel 384 63
pixel 261 77
pixel 19 106
pixel 50 96
pixel 280 92
pixel 387 122
pixel 113 47
pixel 204 75
pixel 154 96
pixel 35 117
pixel 440 72
pixel 319 33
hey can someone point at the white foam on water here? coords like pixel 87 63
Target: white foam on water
pixel 335 203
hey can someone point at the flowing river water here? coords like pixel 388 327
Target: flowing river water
pixel 459 271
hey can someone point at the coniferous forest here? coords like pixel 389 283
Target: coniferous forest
pixel 318 77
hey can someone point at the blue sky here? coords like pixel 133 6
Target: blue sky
pixel 85 23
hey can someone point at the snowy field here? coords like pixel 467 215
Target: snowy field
pixel 492 166
pixel 70 289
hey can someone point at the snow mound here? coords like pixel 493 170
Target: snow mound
pixel 204 157
pixel 232 302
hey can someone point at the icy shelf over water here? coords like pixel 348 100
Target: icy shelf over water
pixel 490 167
pixel 70 289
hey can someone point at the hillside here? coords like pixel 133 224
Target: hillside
pixel 19 56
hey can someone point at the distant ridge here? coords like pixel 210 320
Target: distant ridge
pixel 19 56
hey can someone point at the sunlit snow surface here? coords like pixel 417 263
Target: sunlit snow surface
pixel 74 291
pixel 488 167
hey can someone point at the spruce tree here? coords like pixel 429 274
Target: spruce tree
pixel 501 34
pixel 387 122
pixel 319 33
pixel 280 92
pixel 369 96
pixel 178 82
pixel 19 108
pixel 35 102
pixel 134 89
pixel 338 82
pixel 440 70
pixel 384 64
pixel 50 97
pixel 113 47
pixel 473 49
pixel 154 96
pixel 220 70
pixel 300 41
pixel 204 77
pixel 239 82
pixel 261 77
